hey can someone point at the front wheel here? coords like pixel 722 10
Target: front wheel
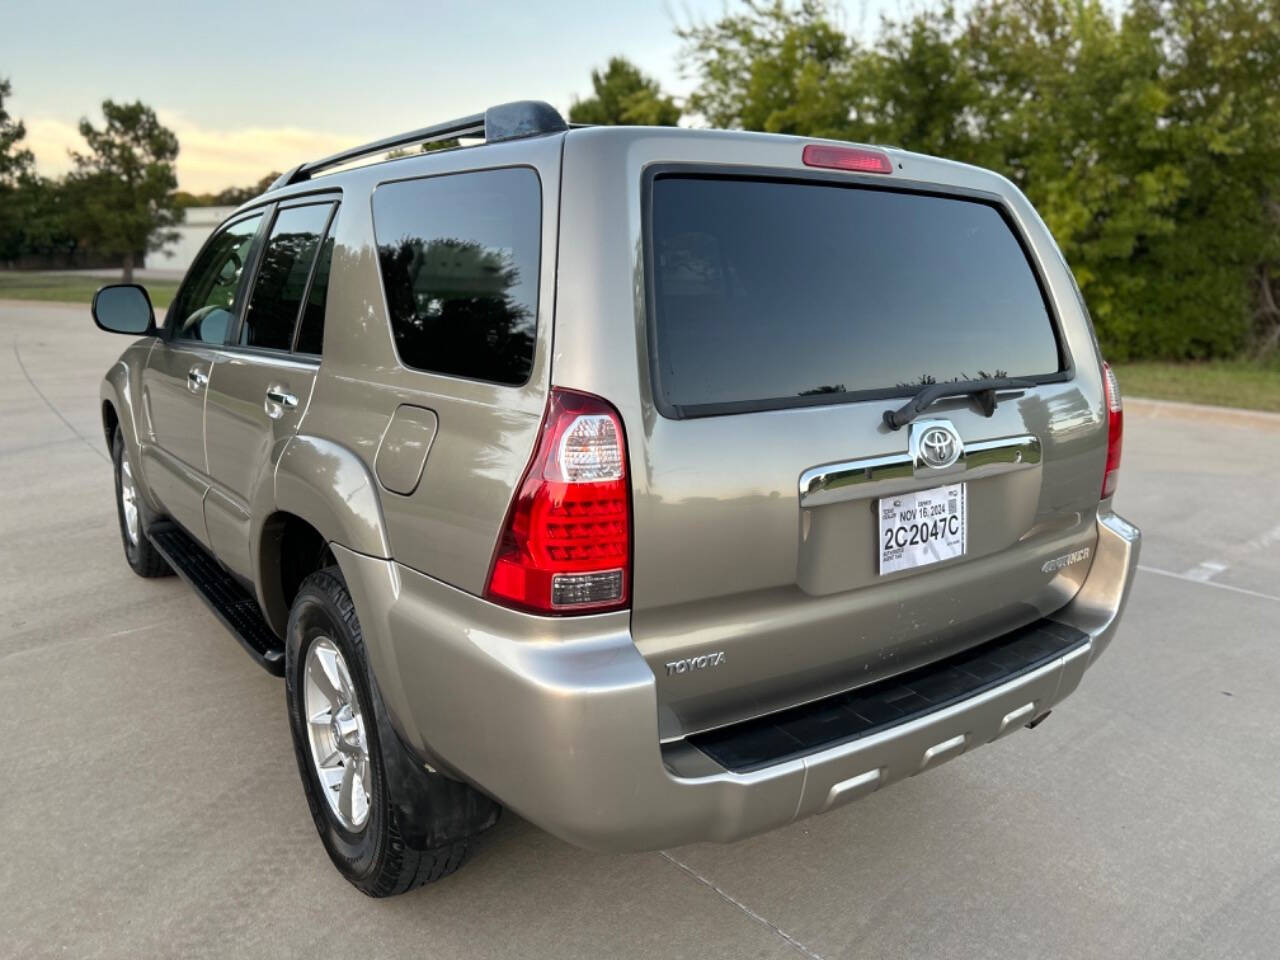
pixel 387 823
pixel 134 516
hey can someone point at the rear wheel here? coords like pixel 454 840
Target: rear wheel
pixel 134 516
pixel 387 823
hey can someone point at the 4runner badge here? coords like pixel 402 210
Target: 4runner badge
pixel 1066 560
pixel 690 664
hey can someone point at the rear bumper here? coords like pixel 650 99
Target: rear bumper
pixel 557 718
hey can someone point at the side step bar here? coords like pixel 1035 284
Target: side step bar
pixel 232 604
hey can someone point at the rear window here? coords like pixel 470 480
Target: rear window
pixel 459 258
pixel 776 293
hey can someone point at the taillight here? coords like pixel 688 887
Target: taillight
pixel 856 159
pixel 1115 430
pixel 566 543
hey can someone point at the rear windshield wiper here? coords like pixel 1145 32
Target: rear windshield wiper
pixel 984 391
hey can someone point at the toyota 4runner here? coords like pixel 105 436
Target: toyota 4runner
pixel 662 485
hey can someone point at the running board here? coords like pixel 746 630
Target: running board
pixel 233 605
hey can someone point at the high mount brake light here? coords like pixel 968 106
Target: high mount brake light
pixel 855 159
pixel 566 544
pixel 1115 430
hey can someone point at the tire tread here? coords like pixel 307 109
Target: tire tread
pixel 400 867
pixel 146 560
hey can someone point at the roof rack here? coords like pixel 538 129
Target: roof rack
pixel 506 121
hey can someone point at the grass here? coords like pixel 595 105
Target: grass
pixel 1224 383
pixel 70 287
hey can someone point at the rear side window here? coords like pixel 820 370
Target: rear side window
pixel 774 293
pixel 282 277
pixel 459 256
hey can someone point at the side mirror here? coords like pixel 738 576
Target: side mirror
pixel 124 308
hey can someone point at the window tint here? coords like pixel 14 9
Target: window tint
pixel 771 293
pixel 459 259
pixel 282 276
pixel 203 308
pixel 311 333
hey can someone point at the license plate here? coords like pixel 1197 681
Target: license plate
pixel 917 529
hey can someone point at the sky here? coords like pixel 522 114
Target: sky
pixel 251 87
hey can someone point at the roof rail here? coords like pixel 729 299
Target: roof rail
pixel 506 121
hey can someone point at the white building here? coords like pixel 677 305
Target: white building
pixel 192 234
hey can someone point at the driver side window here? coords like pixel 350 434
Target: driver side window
pixel 203 308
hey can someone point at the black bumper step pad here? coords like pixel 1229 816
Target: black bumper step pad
pixel 798 731
pixel 234 606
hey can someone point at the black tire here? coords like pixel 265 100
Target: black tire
pixel 420 824
pixel 142 555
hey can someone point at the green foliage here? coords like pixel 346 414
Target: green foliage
pixel 15 162
pixel 625 96
pixel 16 165
pixel 773 67
pixel 230 197
pixel 123 188
pixel 1148 139
pixel 33 209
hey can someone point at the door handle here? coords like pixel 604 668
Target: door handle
pixel 197 379
pixel 279 399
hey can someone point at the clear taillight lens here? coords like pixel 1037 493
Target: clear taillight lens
pixel 566 543
pixel 1115 430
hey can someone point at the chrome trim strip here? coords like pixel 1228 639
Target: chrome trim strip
pixel 832 483
pixel 819 485
pixel 1024 450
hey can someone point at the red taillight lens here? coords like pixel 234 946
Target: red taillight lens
pixel 857 159
pixel 1115 430
pixel 566 544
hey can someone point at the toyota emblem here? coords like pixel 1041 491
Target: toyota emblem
pixel 939 446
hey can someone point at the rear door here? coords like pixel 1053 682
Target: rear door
pixel 176 378
pixel 788 542
pixel 261 382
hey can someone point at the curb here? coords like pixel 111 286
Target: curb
pixel 1176 410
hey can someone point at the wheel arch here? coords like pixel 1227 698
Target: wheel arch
pixel 323 495
pixel 290 549
pixel 119 404
pixel 110 422
pixel 116 404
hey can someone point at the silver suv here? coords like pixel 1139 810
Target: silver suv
pixel 662 485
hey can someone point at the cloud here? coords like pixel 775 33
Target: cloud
pixel 209 159
pixel 50 140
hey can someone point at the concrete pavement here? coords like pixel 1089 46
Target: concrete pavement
pixel 150 804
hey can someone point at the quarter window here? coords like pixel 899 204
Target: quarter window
pixel 203 309
pixel 459 256
pixel 281 283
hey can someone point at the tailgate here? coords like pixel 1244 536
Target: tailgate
pixel 783 549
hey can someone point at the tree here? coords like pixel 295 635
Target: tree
pixel 16 173
pixel 1147 135
pixel 15 162
pixel 625 96
pixel 124 188
pixel 234 196
pixel 774 67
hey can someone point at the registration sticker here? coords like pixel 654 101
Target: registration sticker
pixel 920 528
